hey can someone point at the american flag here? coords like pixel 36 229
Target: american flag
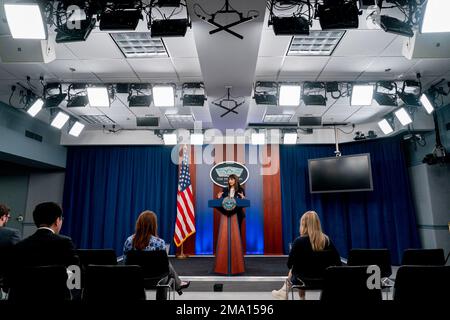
pixel 185 223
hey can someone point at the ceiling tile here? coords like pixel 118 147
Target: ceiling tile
pixel 63 53
pixel 272 45
pixel 104 69
pixel 5 75
pixel 345 68
pixel 268 66
pixel 187 67
pixel 181 47
pixel 97 46
pixel 153 68
pixel 61 69
pixel 22 70
pixel 368 43
pixel 311 66
pixel 394 49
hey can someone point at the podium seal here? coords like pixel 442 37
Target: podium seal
pixel 229 204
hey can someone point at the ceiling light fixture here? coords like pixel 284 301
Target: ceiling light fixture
pixel 362 95
pixel 25 21
pixel 98 96
pixel 289 95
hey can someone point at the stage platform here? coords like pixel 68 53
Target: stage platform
pixel 255 266
pixel 261 274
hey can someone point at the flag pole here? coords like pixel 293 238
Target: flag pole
pixel 182 255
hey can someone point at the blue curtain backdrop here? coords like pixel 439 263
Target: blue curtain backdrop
pixel 383 218
pixel 106 188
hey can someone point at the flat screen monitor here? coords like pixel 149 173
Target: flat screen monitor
pixel 340 174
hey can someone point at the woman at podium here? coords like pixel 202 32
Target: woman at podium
pixel 234 190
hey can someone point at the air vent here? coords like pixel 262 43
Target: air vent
pixel 33 136
pixel 97 119
pixel 317 43
pixel 139 45
pixel 147 121
pixel 310 121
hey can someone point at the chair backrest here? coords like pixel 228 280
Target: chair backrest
pixel 44 283
pixel 419 283
pixel 155 264
pixel 113 283
pixel 423 257
pixel 365 257
pixel 96 256
pixel 316 264
pixel 348 284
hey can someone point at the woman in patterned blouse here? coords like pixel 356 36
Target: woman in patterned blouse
pixel 146 239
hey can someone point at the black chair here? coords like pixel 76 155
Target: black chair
pixel 422 283
pixel 113 283
pixel 45 283
pixel 423 257
pixel 365 257
pixel 313 271
pixel 155 267
pixel 349 284
pixel 96 256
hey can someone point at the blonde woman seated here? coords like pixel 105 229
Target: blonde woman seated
pixel 302 260
pixel 146 239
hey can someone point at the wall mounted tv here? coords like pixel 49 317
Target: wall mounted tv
pixel 340 174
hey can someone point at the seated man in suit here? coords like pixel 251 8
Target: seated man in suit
pixel 8 236
pixel 46 247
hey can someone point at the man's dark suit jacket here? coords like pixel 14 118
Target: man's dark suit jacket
pixel 8 237
pixel 45 248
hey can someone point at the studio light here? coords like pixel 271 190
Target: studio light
pixel 98 96
pixel 139 101
pixel 81 32
pixel 266 93
pixel 362 95
pixel 169 28
pixel 385 126
pixel 258 138
pixel 426 103
pixel 436 18
pixel 197 139
pixel 290 26
pixel 60 120
pixel 193 94
pixel 25 21
pixel 290 138
pixel 163 96
pixel 403 116
pixel 395 26
pixel 139 94
pixel 338 14
pixel 170 139
pixel 76 129
pixel 121 15
pixel 77 102
pixel 386 93
pixel 410 99
pixel 314 94
pixel 35 107
pixel 289 95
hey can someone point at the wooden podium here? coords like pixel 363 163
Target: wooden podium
pixel 229 253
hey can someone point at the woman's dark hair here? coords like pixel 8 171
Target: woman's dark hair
pixel 235 178
pixel 146 226
pixel 46 214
